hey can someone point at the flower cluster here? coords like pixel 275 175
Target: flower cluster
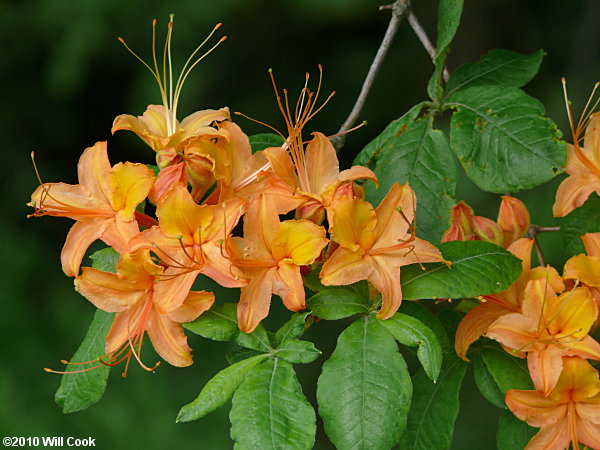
pixel 208 180
pixel 545 318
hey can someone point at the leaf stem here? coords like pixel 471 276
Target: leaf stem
pixel 399 8
pixel 425 41
pixel 533 232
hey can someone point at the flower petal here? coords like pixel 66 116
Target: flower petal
pixel 172 289
pixel 545 366
pixel 255 299
pixel 573 192
pixel 168 340
pixel 385 276
pixel 201 119
pixel 474 325
pixel 591 241
pixel 292 292
pixel 583 268
pixel 346 267
pixel 554 437
pixel 535 409
pixel 194 304
pixel 80 237
pixel 300 240
pixel 131 184
pixel 107 291
pixel 352 222
pixel 321 162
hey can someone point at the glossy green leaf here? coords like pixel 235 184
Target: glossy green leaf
pixel 413 333
pixel 449 12
pixel 424 315
pixel 498 67
pixel 265 140
pixel 79 391
pixel 336 303
pixel 105 259
pixel 485 382
pixel 364 389
pixel 297 352
pixel 478 268
pixel 220 324
pixel 241 354
pixel 499 133
pixel 419 155
pixel 270 411
pixel 513 434
pixel 434 407
pixel 585 219
pixel 218 390
pixel 508 371
pixel 292 329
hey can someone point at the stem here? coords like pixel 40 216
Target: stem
pixel 422 35
pixel 399 9
pixel 533 232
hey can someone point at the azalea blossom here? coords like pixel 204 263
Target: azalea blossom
pixel 549 327
pixel 270 255
pixel 375 243
pixel 103 204
pixel 570 414
pixel 132 294
pixel 583 162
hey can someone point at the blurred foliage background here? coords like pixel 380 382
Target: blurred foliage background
pixel 66 77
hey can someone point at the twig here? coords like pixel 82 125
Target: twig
pixel 533 232
pixel 399 9
pixel 422 35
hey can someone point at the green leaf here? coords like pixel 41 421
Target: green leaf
pixel 434 407
pixel 297 352
pixel 485 382
pixel 478 268
pixel 79 391
pixel 220 324
pixel 585 219
pixel 105 259
pixel 449 12
pixel 292 329
pixel 414 333
pixel 364 389
pixel 241 354
pixel 497 67
pixel 508 371
pixel 218 390
pixel 336 303
pixel 513 434
pixel 265 140
pixel 499 133
pixel 269 410
pixel 418 155
pixel 424 315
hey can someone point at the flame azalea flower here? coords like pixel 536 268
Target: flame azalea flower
pixel 585 269
pixel 569 415
pixel 493 306
pixel 512 224
pixel 132 295
pixel 161 130
pixel 375 243
pixel 583 163
pixel 313 173
pixel 103 204
pixel 187 240
pixel 549 327
pixel 270 255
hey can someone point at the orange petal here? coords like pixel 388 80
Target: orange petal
pixel 80 237
pixel 300 240
pixel 352 223
pixel 588 433
pixel 346 267
pixel 194 304
pixel 385 276
pixel 583 268
pixel 123 325
pixel 572 313
pixel 555 437
pixel 591 241
pixel 131 184
pixel 255 299
pixel 168 340
pixel 514 330
pixel 150 127
pixel 171 290
pixel 579 382
pixel 535 409
pixel 94 170
pixel 357 173
pixel 118 233
pixel 205 118
pixel 220 268
pixel 321 163
pixel 399 198
pixel 282 165
pixel 292 291
pixel 107 291
pixel 550 274
pixel 225 217
pixel 573 192
pixel 474 325
pixel 179 215
pixel 585 348
pixel 545 366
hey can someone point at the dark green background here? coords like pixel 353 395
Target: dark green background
pixel 65 77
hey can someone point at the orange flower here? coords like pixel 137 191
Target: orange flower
pixel 569 415
pixel 270 255
pixel 188 241
pixel 375 243
pixel 131 293
pixel 583 163
pixel 103 204
pixel 493 306
pixel 549 327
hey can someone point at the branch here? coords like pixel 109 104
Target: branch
pixel 422 35
pixel 533 232
pixel 400 8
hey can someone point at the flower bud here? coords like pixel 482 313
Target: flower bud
pixel 488 230
pixel 513 218
pixel 461 224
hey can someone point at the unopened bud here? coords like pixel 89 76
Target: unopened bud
pixel 488 230
pixel 461 224
pixel 513 218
